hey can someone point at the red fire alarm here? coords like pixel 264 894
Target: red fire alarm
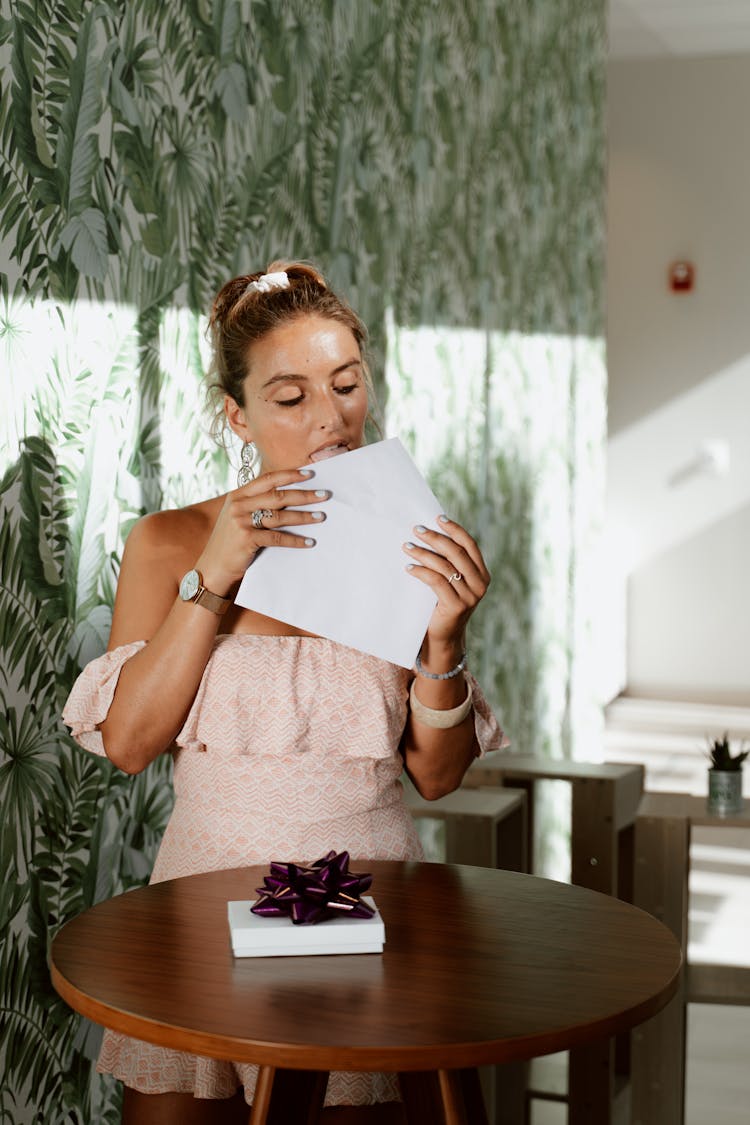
pixel 681 277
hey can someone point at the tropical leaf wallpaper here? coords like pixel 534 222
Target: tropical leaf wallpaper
pixel 444 164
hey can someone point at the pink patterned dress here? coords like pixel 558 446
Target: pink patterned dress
pixel 290 749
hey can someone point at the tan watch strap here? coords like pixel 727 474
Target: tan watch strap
pixel 211 601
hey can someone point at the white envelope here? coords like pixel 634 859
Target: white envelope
pixel 352 587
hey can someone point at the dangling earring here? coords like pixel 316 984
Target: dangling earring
pixel 249 464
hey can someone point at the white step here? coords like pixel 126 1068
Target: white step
pixel 702 720
pixel 670 738
pixel 656 742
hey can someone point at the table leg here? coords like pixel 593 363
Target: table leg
pixel 420 1092
pixel 662 854
pixel 591 1084
pixel 443 1097
pixel 452 1097
pixel 594 864
pixel 282 1096
pixel 262 1095
pixel 504 1091
pixel 528 785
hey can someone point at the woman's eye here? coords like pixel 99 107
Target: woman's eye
pixel 347 390
pixel 289 401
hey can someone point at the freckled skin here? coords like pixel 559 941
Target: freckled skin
pixel 305 389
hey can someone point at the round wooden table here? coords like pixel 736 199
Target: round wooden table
pixel 480 966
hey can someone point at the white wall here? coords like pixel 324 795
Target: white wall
pixel 679 186
pixel 689 615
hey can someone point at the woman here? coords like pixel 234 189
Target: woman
pixel 286 745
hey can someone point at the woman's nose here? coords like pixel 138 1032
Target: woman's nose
pixel 329 412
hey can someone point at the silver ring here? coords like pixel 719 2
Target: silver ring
pixel 259 515
pixel 455 577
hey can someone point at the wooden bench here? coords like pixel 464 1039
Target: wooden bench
pixel 604 807
pixel 483 828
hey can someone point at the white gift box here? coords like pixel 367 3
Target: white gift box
pixel 253 936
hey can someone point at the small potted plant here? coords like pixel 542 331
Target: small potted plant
pixel 725 778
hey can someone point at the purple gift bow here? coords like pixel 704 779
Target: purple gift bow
pixel 313 894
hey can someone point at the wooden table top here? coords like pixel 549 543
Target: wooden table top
pixel 676 806
pixel 480 966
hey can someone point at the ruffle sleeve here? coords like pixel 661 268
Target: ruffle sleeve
pixel 91 698
pixel 486 727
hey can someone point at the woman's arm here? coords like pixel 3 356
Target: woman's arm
pixel 436 759
pixel 157 686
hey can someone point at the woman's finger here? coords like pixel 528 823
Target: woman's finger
pixel 269 509
pixel 461 536
pixel 467 583
pixel 270 537
pixel 447 592
pixel 268 518
pixel 283 498
pixel 447 558
pixel 267 482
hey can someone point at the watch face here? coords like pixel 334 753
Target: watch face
pixel 190 585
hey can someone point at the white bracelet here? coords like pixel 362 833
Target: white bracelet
pixel 433 717
pixel 441 675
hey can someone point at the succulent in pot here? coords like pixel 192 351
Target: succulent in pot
pixel 725 777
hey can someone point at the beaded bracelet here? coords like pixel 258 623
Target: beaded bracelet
pixel 441 675
pixel 436 718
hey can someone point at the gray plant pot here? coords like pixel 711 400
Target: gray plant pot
pixel 725 792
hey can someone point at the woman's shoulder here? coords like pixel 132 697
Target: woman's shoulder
pixel 174 529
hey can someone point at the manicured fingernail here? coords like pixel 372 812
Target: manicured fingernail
pixel 444 519
pixel 420 528
pixel 309 542
pixel 410 566
pixel 307 472
pixel 322 492
pixel 409 546
pixel 318 515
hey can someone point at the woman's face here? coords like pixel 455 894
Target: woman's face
pixel 305 394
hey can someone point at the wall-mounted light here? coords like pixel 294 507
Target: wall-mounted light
pixel 712 458
pixel 681 277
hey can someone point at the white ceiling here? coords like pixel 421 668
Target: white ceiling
pixel 643 28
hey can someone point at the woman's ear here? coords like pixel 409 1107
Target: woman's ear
pixel 236 418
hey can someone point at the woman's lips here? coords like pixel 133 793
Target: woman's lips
pixel 329 451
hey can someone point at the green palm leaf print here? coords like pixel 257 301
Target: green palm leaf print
pixel 443 163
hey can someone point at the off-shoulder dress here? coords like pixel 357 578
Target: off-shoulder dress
pixel 290 749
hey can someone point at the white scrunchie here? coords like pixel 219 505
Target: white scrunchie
pixel 268 282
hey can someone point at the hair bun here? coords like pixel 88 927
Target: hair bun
pixel 303 272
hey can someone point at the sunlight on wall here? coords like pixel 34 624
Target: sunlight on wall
pixel 513 427
pixel 73 373
pixel 195 466
pixel 508 428
pixel 671 476
pixel 690 457
pixel 73 376
pixel 57 362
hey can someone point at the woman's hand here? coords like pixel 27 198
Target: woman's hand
pixel 455 570
pixel 235 540
pixel 436 758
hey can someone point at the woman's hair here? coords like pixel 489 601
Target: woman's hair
pixel 242 314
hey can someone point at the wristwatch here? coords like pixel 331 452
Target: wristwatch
pixel 193 590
